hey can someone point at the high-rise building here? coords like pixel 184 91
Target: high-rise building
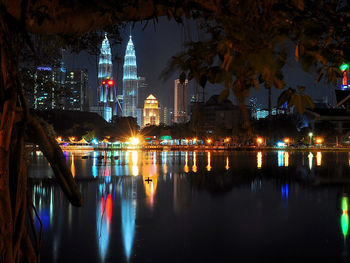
pixel 151 111
pixel 130 81
pixel 46 84
pixel 106 89
pixel 76 86
pixel 166 116
pixel 142 93
pixel 56 88
pixel 180 102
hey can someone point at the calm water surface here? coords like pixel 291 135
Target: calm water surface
pixel 196 207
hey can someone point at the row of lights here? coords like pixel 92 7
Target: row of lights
pixel 318 140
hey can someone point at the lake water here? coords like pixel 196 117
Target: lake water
pixel 196 207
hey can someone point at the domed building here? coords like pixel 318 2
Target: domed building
pixel 150 111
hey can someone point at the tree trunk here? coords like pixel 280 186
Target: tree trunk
pixel 15 242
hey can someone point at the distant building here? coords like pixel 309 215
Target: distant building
pixel 142 93
pixel 47 90
pixel 130 81
pixel 165 116
pixel 56 88
pixel 212 115
pixel 104 111
pixel 180 102
pixel 150 111
pixel 77 89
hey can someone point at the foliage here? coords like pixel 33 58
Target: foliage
pixel 300 100
pixel 247 45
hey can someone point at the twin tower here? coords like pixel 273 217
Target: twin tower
pixel 126 104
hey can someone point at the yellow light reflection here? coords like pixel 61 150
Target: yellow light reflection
pixel 208 166
pixel 186 168
pixel 135 168
pixel 72 166
pixel 150 181
pixel 259 160
pixel 349 158
pixel 286 159
pixel 194 167
pixel 227 166
pixel 318 158
pixel 310 157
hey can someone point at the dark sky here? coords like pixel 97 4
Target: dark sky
pixel 155 46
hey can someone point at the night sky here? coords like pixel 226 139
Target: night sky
pixel 155 46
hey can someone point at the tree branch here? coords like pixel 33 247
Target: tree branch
pixel 53 153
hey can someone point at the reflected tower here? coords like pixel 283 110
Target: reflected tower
pixel 130 81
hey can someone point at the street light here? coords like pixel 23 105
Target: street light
pixel 259 140
pixel 286 140
pixel 310 135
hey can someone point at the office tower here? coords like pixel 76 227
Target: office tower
pixel 142 93
pixel 166 116
pixel 76 86
pixel 180 102
pixel 130 81
pixel 46 88
pixel 105 72
pixel 151 111
pixel 106 89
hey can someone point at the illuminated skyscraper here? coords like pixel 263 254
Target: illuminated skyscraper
pixel 105 71
pixel 106 92
pixel 180 103
pixel 151 111
pixel 130 81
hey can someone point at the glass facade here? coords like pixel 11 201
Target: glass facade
pixel 130 81
pixel 106 93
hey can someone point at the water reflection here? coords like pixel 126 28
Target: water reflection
pixel 150 181
pixel 310 157
pixel 186 168
pixel 72 166
pixel 117 195
pixel 134 158
pixel 285 193
pixel 104 216
pixel 286 159
pixel 128 213
pixel 194 167
pixel 259 160
pixel 344 219
pixel 209 166
pixel 280 156
pixel 318 158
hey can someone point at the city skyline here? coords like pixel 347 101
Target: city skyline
pixel 154 48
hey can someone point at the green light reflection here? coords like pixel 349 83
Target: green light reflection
pixel 344 219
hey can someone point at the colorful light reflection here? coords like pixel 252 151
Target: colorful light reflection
pixel 280 158
pixel 344 219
